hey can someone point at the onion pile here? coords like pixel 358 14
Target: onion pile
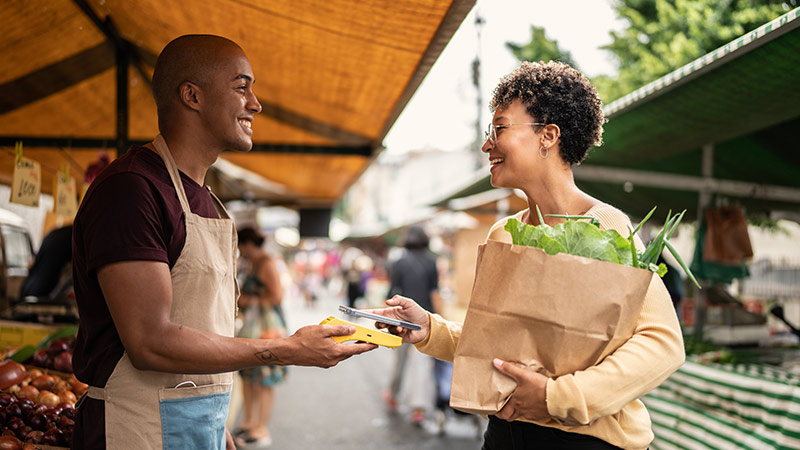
pixel 38 409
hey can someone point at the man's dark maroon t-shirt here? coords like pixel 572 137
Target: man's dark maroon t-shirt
pixel 130 212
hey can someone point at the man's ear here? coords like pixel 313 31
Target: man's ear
pixel 190 95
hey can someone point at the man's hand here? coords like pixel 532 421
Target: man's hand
pixel 313 346
pixel 229 445
pixel 529 399
pixel 408 310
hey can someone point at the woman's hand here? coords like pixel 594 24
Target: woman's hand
pixel 529 399
pixel 408 310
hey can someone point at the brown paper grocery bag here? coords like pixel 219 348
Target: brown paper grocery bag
pixel 554 313
pixel 727 240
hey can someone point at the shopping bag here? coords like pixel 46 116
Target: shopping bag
pixel 727 240
pixel 556 314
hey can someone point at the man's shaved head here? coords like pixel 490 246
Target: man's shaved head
pixel 192 57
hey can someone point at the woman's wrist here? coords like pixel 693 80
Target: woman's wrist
pixel 426 330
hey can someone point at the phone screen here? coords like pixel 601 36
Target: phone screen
pixel 379 318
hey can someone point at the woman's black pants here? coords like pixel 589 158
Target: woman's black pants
pixel 502 435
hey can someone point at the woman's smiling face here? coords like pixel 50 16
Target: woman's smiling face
pixel 513 155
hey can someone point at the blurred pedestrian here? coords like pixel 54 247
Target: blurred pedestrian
pixel 260 308
pixel 414 275
pixel 50 276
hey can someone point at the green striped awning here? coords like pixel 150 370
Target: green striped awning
pixel 719 407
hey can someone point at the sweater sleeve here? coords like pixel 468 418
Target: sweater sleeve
pixel 442 340
pixel 639 365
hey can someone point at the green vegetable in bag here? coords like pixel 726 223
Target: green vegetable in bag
pixel 588 240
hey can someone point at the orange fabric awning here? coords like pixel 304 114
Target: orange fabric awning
pixel 332 78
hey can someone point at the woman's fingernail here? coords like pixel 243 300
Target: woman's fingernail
pixel 497 362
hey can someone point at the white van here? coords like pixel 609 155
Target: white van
pixel 16 254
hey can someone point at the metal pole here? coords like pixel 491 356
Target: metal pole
pixel 123 59
pixel 704 200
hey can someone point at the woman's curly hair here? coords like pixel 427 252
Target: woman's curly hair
pixel 554 92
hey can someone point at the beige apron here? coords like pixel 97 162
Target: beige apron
pixel 153 410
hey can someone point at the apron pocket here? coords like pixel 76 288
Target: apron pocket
pixel 194 417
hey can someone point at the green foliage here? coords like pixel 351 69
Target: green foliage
pixel 540 48
pixel 574 238
pixel 697 346
pixel 588 240
pixel 66 331
pixel 768 224
pixel 664 35
pixel 23 354
pixel 661 36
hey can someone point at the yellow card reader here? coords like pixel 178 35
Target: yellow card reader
pixel 365 334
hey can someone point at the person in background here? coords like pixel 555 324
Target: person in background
pixel 154 262
pixel 414 275
pixel 50 276
pixel 260 308
pixel 546 117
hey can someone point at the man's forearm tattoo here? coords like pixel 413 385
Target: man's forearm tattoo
pixel 266 356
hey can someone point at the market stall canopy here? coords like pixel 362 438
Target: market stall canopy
pixel 332 78
pixel 725 124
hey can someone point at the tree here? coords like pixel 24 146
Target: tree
pixel 663 35
pixel 540 48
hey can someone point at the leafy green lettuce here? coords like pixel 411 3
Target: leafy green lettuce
pixel 588 240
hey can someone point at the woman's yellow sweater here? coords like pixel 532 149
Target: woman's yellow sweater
pixel 602 400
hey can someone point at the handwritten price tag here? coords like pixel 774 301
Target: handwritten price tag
pixel 26 183
pixel 65 201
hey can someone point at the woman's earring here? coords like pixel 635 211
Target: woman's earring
pixel 543 151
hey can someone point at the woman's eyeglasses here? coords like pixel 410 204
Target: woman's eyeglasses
pixel 491 133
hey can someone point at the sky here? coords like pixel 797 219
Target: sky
pixel 442 112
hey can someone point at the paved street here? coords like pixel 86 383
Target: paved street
pixel 341 408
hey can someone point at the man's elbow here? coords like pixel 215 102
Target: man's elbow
pixel 143 359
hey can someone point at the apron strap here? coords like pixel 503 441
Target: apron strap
pixel 96 393
pixel 161 147
pixel 221 211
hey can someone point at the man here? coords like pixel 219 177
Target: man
pixel 154 269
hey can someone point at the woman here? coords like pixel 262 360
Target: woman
pixel 259 303
pixel 546 118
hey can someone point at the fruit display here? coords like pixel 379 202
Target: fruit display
pixel 37 399
pixel 56 356
pixel 39 409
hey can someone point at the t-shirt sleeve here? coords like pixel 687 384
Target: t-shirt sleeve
pixel 123 220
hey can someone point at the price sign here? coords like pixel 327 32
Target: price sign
pixel 65 200
pixel 26 183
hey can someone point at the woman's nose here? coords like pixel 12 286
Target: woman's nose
pixel 487 146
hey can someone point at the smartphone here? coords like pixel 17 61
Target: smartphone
pixel 379 318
